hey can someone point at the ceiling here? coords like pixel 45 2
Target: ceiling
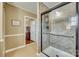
pixel 28 6
pixel 32 6
pixel 50 4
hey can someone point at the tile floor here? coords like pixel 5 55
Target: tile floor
pixel 55 52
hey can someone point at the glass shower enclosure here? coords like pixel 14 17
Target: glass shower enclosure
pixel 59 30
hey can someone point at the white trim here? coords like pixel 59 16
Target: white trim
pixel 37 28
pixel 13 35
pixel 3 31
pixel 25 19
pixel 15 48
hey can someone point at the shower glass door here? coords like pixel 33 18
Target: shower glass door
pixel 59 31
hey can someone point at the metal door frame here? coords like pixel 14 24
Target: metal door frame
pixel 77 28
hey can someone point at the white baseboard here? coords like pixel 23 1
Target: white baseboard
pixel 15 48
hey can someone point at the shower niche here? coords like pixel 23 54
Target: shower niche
pixel 58 29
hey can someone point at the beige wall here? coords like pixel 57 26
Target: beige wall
pixel 14 13
pixel 14 41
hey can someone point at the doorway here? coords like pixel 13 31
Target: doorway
pixel 28 39
pixel 29 29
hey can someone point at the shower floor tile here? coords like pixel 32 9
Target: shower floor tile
pixel 53 52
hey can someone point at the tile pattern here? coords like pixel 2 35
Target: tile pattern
pixel 56 52
pixel 45 41
pixel 63 43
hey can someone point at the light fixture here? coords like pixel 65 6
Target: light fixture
pixel 58 13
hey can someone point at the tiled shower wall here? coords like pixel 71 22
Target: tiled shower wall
pixel 62 37
pixel 45 41
pixel 66 44
pixel 61 31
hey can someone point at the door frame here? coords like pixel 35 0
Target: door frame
pixel 25 19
